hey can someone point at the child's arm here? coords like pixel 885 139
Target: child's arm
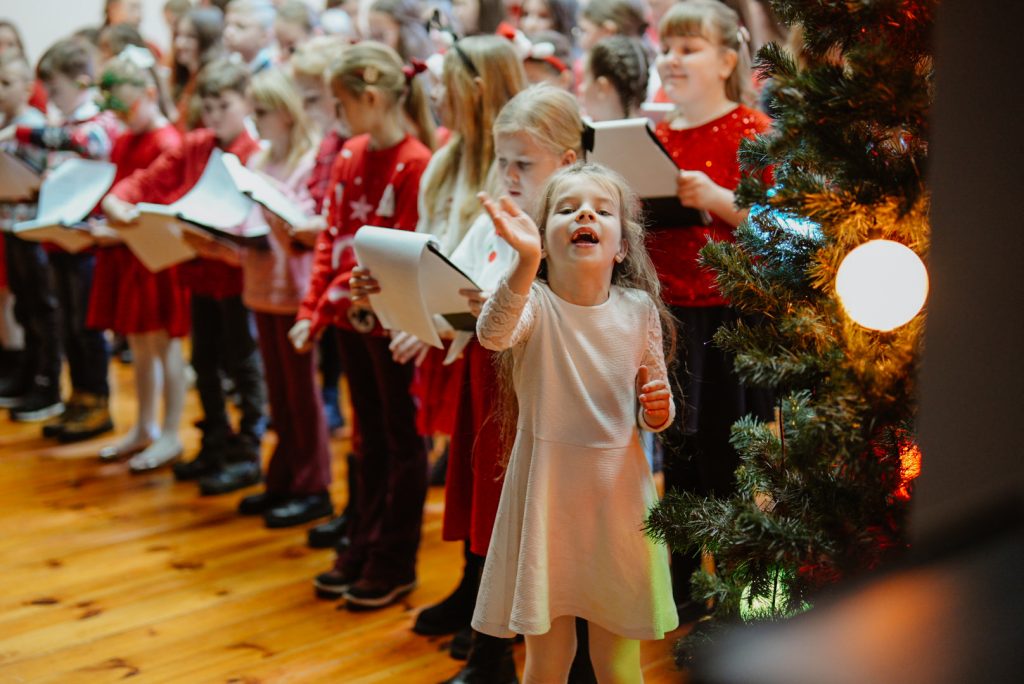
pixel 657 410
pixel 89 139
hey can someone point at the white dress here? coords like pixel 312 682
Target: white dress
pixel 568 536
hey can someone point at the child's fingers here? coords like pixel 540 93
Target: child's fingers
pixel 509 206
pixel 642 378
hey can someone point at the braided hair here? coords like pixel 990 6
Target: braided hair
pixel 625 63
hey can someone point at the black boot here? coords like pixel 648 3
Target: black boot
pixel 334 532
pixel 210 459
pixel 454 612
pixel 490 662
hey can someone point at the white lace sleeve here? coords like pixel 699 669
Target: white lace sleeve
pixel 654 359
pixel 507 319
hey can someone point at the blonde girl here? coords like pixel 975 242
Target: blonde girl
pixel 579 321
pixel 374 182
pixel 536 133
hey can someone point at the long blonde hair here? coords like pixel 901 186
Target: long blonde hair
pixel 550 115
pixel 374 65
pixel 636 271
pixel 473 108
pixel 719 25
pixel 273 89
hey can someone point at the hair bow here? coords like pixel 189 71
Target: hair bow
pixel 139 56
pixel 415 66
pixel 545 52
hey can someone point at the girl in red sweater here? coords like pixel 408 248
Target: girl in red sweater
pixel 375 181
pixel 150 309
pixel 704 68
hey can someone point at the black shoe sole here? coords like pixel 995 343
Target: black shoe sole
pixel 275 523
pixel 330 592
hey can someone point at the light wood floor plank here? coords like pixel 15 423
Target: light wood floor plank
pixel 109 576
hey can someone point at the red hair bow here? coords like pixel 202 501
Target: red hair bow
pixel 415 66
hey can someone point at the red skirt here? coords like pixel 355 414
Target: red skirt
pixel 435 388
pixel 475 474
pixel 128 299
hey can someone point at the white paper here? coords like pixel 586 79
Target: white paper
pixel 258 188
pixel 18 182
pixel 214 201
pixel 416 283
pixel 628 147
pixel 66 197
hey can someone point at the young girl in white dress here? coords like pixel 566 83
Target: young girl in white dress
pixel 580 319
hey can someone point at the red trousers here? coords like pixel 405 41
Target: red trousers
pixel 301 463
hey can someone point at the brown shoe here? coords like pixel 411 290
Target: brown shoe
pixel 53 427
pixel 92 419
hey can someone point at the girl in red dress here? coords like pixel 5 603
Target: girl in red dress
pixel 704 68
pixel 375 181
pixel 150 309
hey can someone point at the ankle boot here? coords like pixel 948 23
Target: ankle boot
pixel 490 662
pixel 454 612
pixel 92 419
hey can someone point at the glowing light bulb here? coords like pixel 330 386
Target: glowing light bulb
pixel 882 284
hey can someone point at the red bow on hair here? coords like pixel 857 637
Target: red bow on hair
pixel 506 30
pixel 415 66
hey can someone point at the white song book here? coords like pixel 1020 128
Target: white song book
pixel 212 209
pixel 417 282
pixel 629 147
pixel 66 198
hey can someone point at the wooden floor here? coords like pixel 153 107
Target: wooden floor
pixel 105 576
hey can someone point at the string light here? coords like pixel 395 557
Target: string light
pixel 882 284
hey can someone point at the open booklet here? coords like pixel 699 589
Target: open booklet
pixel 630 147
pixel 216 207
pixel 66 197
pixel 417 282
pixel 19 182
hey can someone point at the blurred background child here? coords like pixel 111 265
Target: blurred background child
pixel 150 309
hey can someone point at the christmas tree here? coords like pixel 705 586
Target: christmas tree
pixel 822 494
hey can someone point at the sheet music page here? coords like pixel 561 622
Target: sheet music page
pixel 262 190
pixel 394 257
pixel 70 193
pixel 214 201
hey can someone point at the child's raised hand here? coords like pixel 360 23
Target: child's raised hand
pixel 514 226
pixel 654 397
